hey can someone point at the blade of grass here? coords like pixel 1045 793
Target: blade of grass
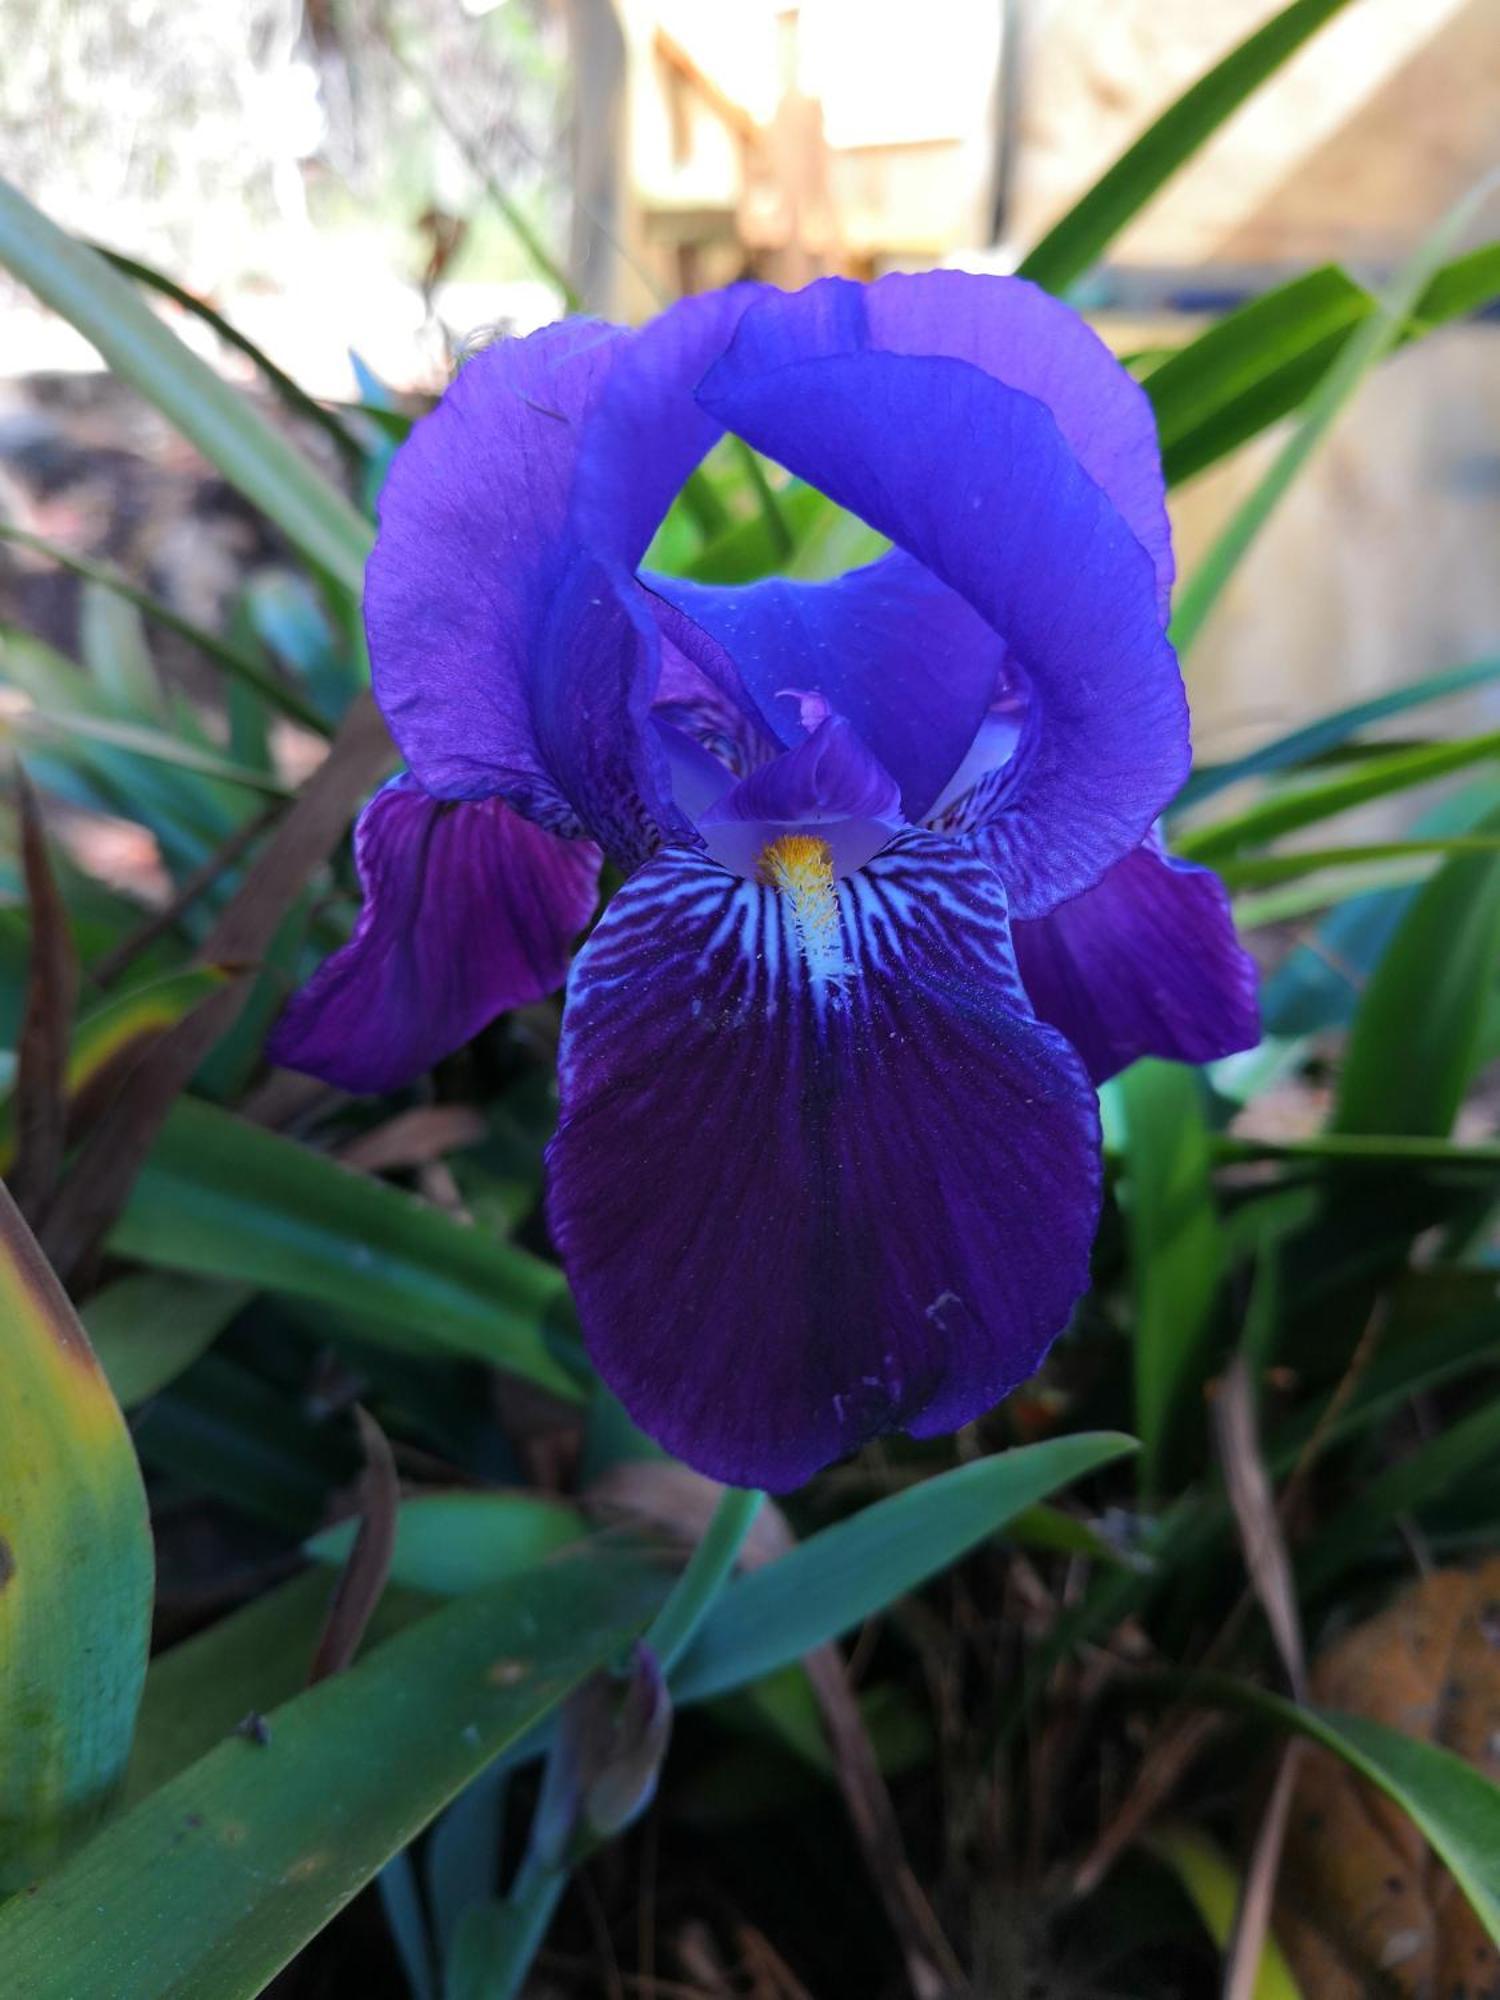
pixel 234 662
pixel 1372 339
pixel 1418 1029
pixel 247 1662
pixel 1213 1887
pixel 450 1543
pixel 143 741
pixel 838 1578
pixel 291 393
pixel 99 1183
pixel 1430 1473
pixel 1287 810
pixel 222 1198
pixel 1177 1247
pixel 112 645
pixel 108 311
pixel 1076 242
pixel 1380 1150
pixel 148 1328
pixel 207 1888
pixel 41 1093
pixel 1256 871
pixel 105 1037
pixel 1257 365
pixel 1454 1806
pixel 1302 746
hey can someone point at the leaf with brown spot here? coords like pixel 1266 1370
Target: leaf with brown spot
pixel 1363 1906
pixel 75 1570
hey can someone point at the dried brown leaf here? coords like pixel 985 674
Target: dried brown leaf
pixel 99 1183
pixel 1363 1907
pixel 415 1138
pixel 1270 1570
pixel 362 1580
pixel 674 1497
pixel 1255 1515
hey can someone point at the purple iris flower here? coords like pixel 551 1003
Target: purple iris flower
pixel 827 1162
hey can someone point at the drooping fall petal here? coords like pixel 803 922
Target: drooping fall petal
pixel 469 909
pixel 801 1206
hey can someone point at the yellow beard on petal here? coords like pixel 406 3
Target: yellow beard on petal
pixel 799 866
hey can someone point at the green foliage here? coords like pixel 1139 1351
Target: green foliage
pixel 1418 1034
pixel 269 1261
pixel 226 1200
pixel 452 1543
pixel 1454 1806
pixel 1378 332
pixel 1177 1248
pixel 79 284
pixel 842 1576
pixel 208 1886
pixel 75 1570
pixel 1068 249
pixel 1260 363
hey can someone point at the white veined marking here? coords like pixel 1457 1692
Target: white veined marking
pixel 799 866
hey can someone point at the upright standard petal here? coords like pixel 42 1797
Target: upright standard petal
pixel 976 480
pixel 800 1210
pixel 647 433
pixel 514 653
pixel 1145 964
pixel 470 550
pixel 469 909
pixel 904 658
pixel 1033 342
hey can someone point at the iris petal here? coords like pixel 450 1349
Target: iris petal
pixel 905 659
pixel 469 909
pixel 513 650
pixel 799 1212
pixel 1031 341
pixel 1145 964
pixel 469 553
pixel 829 785
pixel 976 481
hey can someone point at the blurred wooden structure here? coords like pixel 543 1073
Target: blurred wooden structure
pixel 789 137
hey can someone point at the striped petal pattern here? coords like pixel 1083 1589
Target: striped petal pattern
pixel 803 1204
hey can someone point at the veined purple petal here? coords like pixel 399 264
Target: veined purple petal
pixel 698 778
pixel 469 909
pixel 976 480
pixel 904 658
pixel 596 664
pixel 799 1211
pixel 1145 964
pixel 697 674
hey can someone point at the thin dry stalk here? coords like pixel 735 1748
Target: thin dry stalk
pixel 86 1205
pixel 47 1025
pixel 363 1578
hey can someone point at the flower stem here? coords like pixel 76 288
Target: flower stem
pixel 706 1573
